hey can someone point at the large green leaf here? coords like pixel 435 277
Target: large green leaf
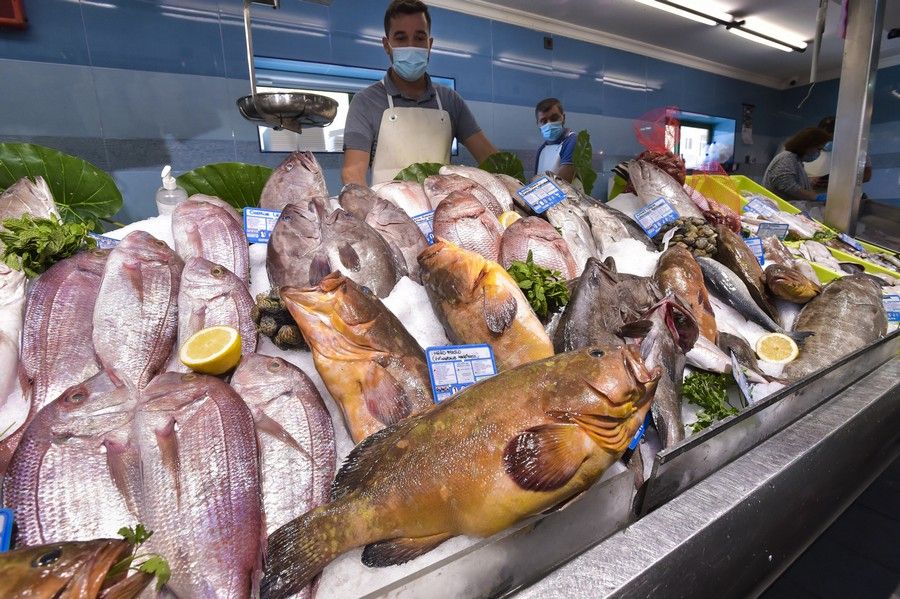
pixel 82 192
pixel 237 183
pixel 505 163
pixel 582 157
pixel 419 171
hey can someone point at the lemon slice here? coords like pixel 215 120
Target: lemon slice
pixel 776 348
pixel 508 218
pixel 214 350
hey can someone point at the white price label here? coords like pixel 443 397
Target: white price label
pixel 455 367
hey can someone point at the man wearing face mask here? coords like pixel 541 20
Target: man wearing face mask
pixel 404 118
pixel 556 153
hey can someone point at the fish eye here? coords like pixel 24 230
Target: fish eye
pixel 77 397
pixel 597 353
pixel 190 376
pixel 274 365
pixel 217 271
pixel 46 559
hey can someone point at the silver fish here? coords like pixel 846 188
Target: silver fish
pixel 200 486
pixel 74 474
pixel 211 295
pixel 463 220
pixel 650 182
pixel 307 245
pixel 438 187
pixel 201 197
pixel 571 222
pixel 400 232
pixel 136 314
pixel 744 354
pixel 27 197
pixel 298 179
pixel 706 355
pixel 511 184
pixel 406 195
pixel 535 235
pixel 818 253
pixel 483 178
pixel 846 316
pixel 205 230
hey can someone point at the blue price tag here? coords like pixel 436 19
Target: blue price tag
pixel 640 432
pixel 425 221
pixel 454 367
pixel 259 223
pixel 779 230
pixel 541 195
pixel 740 378
pixel 892 307
pixel 6 527
pixel 756 246
pixel 851 242
pixel 655 215
pixel 760 206
pixel 104 242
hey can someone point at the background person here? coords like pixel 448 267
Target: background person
pixel 557 151
pixel 785 176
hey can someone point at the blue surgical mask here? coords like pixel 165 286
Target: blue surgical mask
pixel 810 156
pixel 410 62
pixel 552 130
pixel 828 147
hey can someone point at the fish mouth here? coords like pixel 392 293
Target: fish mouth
pixel 98 574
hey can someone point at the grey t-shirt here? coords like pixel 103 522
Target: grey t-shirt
pixel 785 177
pixel 367 106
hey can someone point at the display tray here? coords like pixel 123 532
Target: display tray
pixel 679 467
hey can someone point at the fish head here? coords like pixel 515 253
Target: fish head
pixel 671 315
pixel 444 184
pixel 146 248
pixel 357 200
pixel 104 403
pixel 77 569
pixel 207 279
pixel 614 394
pixel 262 375
pixel 459 205
pixel 451 272
pixel 790 284
pixel 12 283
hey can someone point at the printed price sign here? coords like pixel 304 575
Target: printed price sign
pixel 759 206
pixel 756 246
pixel 740 378
pixel 640 432
pixel 779 230
pixel 851 242
pixel 425 221
pixel 892 307
pixel 6 527
pixel 541 195
pixel 455 367
pixel 258 224
pixel 655 215
pixel 104 242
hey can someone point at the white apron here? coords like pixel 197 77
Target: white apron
pixel 410 135
pixel 549 161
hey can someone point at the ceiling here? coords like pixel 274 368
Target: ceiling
pixel 640 28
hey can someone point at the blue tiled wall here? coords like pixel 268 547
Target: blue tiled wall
pixel 134 84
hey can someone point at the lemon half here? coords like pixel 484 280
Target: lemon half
pixel 214 350
pixel 776 348
pixel 508 218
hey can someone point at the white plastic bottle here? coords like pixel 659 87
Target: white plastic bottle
pixel 169 195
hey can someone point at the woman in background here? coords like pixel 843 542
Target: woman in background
pixel 785 176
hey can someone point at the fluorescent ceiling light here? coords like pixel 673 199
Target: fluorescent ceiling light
pixel 760 40
pixel 678 11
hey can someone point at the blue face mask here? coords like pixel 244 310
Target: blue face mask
pixel 410 62
pixel 551 131
pixel 810 156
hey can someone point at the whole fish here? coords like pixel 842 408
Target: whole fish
pixel 200 487
pixel 74 475
pixel 27 197
pixel 733 252
pixel 789 284
pixel 478 302
pixel 15 399
pixel 373 368
pixel 438 187
pixel 706 355
pixel 205 230
pixel 848 315
pixel 818 253
pixel 535 235
pixel 731 290
pixel 745 355
pixel 136 311
pixel 211 295
pixel 463 220
pixel 483 178
pixel 650 182
pixel 498 452
pixel 672 333
pixel 201 197
pixel 400 231
pixel 678 272
pixel 307 244
pixel 70 570
pixel 295 435
pixel 298 179
pixel 571 222
pixel 406 195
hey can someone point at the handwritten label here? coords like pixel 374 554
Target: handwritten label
pixel 640 433
pixel 740 378
pixel 104 242
pixel 779 230
pixel 851 242
pixel 655 215
pixel 892 307
pixel 756 246
pixel 454 367
pixel 541 195
pixel 760 206
pixel 6 528
pixel 425 222
pixel 259 223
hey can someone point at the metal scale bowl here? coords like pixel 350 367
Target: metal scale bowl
pixel 282 110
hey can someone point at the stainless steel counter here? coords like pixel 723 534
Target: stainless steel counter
pixel 733 533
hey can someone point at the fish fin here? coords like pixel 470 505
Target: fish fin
pixel 167 441
pixel 800 336
pixel 319 268
pixel 360 462
pixel 349 257
pixel 610 263
pixel 545 457
pixel 500 307
pixel 384 396
pixel 118 471
pixel 400 550
pixel 637 329
pixel 134 276
pixel 265 424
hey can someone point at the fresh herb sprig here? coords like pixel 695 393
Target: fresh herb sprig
pixel 545 289
pixel 33 244
pixel 710 392
pixel 823 236
pixel 150 563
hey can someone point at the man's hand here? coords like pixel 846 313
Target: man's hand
pixel 480 146
pixel 356 166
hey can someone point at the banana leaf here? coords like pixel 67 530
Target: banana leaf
pixel 582 157
pixel 505 163
pixel 419 171
pixel 237 183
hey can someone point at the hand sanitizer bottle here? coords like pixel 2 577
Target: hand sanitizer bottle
pixel 169 195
